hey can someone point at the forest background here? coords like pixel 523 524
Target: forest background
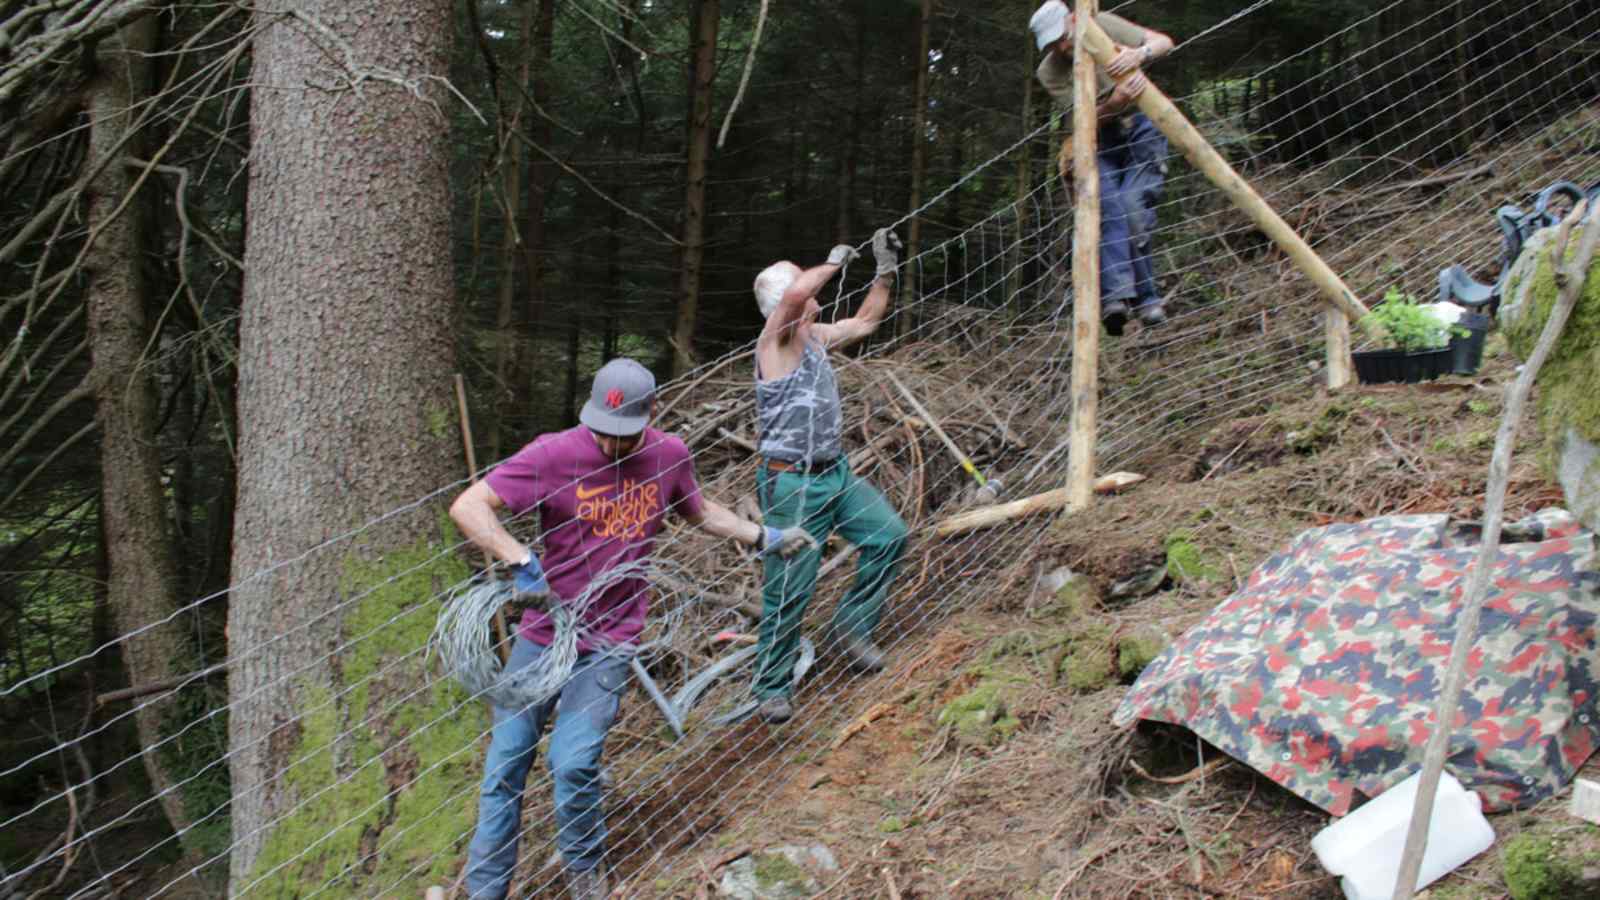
pixel 221 272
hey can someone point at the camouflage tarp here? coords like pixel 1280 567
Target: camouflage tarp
pixel 1323 671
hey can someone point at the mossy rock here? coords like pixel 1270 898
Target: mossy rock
pixel 776 872
pixel 1569 381
pixel 1078 597
pixel 1138 650
pixel 1087 667
pixel 1063 593
pixel 979 717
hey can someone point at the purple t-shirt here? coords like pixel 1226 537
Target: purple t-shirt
pixel 597 513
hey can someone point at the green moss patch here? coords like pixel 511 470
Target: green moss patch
pixel 1185 561
pixel 381 786
pixel 1536 869
pixel 1136 651
pixel 774 870
pixel 1087 663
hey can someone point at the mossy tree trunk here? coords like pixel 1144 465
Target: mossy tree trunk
pixel 345 753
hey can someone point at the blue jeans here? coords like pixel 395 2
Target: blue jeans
pixel 1132 161
pixel 589 702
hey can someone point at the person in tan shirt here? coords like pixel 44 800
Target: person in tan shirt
pixel 1131 155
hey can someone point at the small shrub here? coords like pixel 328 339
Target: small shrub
pixel 1399 322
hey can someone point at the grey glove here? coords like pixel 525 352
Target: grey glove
pixel 786 543
pixel 886 249
pixel 842 255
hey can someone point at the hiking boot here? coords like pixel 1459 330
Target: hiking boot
pixel 1153 314
pixel 863 655
pixel 1114 314
pixel 775 710
pixel 589 885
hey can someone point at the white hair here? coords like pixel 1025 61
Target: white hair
pixel 771 284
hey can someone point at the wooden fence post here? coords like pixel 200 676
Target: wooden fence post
pixel 1085 271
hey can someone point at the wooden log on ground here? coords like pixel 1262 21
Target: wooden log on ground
pixel 1048 501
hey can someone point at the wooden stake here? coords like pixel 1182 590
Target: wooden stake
pixel 966 464
pixel 1085 269
pixel 472 474
pixel 1183 135
pixel 1028 506
pixel 1570 279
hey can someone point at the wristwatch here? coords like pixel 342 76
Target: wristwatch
pixel 1149 53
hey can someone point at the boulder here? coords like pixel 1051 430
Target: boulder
pixel 1569 382
pixel 780 873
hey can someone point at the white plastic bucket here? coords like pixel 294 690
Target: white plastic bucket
pixel 1365 847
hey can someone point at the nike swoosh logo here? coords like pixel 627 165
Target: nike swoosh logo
pixel 585 495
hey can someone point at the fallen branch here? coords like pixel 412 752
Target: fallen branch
pixel 688 389
pixel 737 440
pixel 1048 501
pixel 876 712
pixel 1193 774
pixel 1434 180
pixel 742 604
pixel 154 687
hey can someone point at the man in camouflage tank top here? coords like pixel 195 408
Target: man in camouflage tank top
pixel 805 480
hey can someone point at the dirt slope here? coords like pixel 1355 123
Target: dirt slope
pixel 992 770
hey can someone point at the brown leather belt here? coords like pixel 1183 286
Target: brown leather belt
pixel 817 467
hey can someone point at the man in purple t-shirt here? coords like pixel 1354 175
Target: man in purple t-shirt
pixel 602 490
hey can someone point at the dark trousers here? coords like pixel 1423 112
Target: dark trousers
pixel 1132 160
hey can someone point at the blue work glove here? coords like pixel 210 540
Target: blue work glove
pixel 787 542
pixel 529 589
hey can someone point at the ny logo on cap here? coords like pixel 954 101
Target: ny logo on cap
pixel 614 398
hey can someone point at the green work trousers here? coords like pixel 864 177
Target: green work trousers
pixel 824 502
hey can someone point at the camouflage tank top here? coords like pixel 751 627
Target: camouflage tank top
pixel 799 412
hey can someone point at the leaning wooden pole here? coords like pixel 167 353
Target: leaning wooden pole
pixel 1183 135
pixel 1085 271
pixel 1570 278
pixel 500 642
